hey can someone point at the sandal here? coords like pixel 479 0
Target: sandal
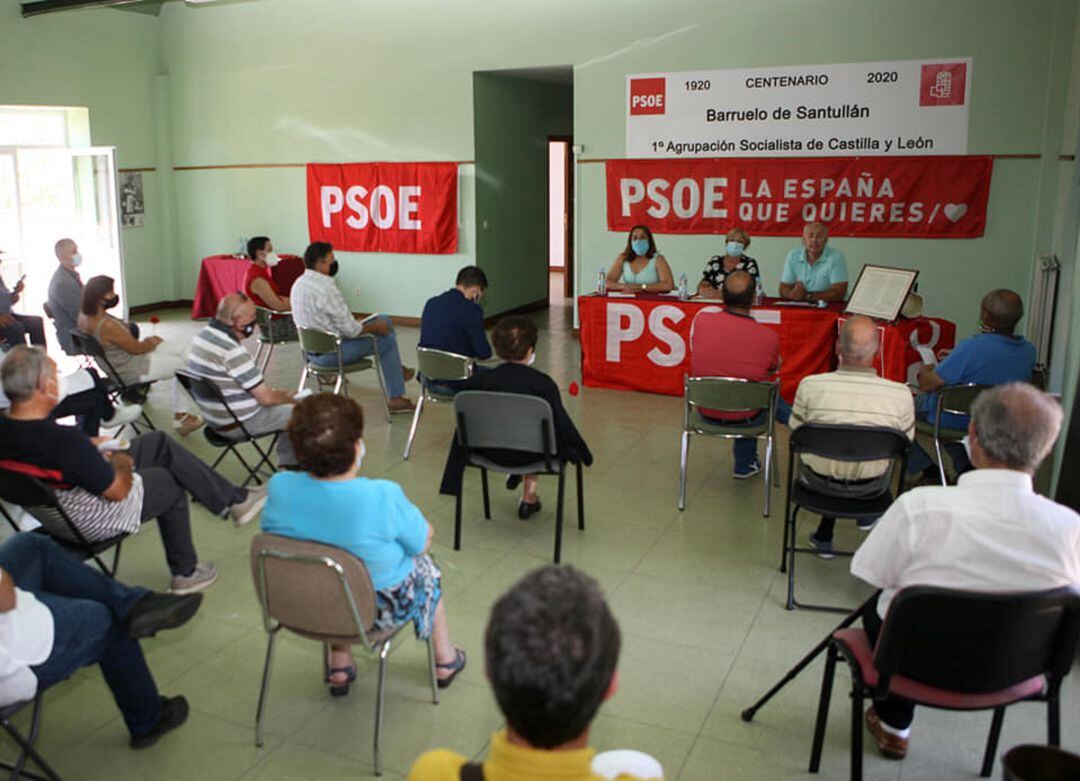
pixel 341 689
pixel 186 424
pixel 455 667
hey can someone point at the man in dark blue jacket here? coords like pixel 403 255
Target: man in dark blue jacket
pixel 454 320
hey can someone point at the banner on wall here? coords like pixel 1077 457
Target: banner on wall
pixel 384 207
pixel 902 107
pixel 913 197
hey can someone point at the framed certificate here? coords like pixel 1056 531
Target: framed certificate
pixel 880 291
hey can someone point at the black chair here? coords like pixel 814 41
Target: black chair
pixel 958 650
pixel 39 499
pixel 837 443
pixel 133 393
pixel 207 393
pixel 511 421
pixel 25 743
pixel 951 400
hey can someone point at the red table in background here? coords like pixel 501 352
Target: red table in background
pixel 220 275
pixel 642 343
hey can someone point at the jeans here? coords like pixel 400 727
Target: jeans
pixel 745 449
pixel 451 387
pixel 170 472
pixel 389 358
pixel 88 611
pixel 894 711
pixel 24 325
pixel 268 420
pixel 89 407
pixel 920 461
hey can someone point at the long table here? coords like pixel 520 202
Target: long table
pixel 642 342
pixel 222 275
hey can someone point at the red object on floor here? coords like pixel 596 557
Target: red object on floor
pixel 221 275
pixel 642 342
pixel 574 389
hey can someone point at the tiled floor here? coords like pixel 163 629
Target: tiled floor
pixel 697 594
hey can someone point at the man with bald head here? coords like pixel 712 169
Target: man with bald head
pixel 989 533
pixel 994 356
pixel 815 271
pixel 217 353
pixel 730 343
pixel 853 395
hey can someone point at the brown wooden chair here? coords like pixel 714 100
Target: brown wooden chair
pixel 323 593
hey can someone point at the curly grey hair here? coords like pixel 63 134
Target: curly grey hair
pixel 1016 424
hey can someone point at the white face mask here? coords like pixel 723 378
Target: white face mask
pixel 531 359
pixel 76 259
pixel 272 259
pixel 360 455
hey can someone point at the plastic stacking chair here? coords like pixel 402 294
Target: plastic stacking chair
pixel 837 443
pixel 322 593
pixel 487 420
pixel 133 393
pixel 958 650
pixel 274 328
pixel 18 486
pixel 206 392
pixel 436 366
pixel 729 394
pixel 316 342
pixel 26 743
pixel 955 400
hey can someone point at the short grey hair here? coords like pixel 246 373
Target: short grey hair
pixel 62 245
pixel 227 307
pixel 859 340
pixel 1016 424
pixel 22 372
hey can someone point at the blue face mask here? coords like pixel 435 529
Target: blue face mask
pixel 735 249
pixel 640 246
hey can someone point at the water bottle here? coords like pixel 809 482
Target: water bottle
pixel 242 253
pixel 759 293
pixel 601 282
pixel 683 291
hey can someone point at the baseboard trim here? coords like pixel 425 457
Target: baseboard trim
pixel 180 303
pixel 412 322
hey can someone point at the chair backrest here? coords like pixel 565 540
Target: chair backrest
pixel 316 590
pixel 729 394
pixel 205 391
pixel 48 310
pixel 312 340
pixel 957 399
pixel 971 642
pixel 848 443
pixel 262 319
pixel 505 421
pixel 37 498
pixel 89 345
pixel 443 366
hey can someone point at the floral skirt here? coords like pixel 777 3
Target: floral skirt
pixel 413 599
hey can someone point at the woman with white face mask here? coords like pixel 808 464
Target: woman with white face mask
pixel 639 268
pixel 260 287
pixel 734 259
pixel 327 500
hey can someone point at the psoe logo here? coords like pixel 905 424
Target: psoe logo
pixel 648 96
pixel 943 84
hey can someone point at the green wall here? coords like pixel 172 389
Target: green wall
pixel 513 118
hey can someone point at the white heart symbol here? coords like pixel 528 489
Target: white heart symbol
pixel 954 211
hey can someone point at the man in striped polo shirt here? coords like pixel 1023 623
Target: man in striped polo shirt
pixel 853 395
pixel 218 355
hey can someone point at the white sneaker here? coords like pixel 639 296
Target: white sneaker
pixel 202 577
pixel 123 414
pixel 243 512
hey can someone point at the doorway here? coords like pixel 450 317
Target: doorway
pixel 560 218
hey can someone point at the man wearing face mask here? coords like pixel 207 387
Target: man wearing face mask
pixel 217 354
pixel 318 304
pixel 15 328
pixel 734 259
pixel 454 321
pixel 65 293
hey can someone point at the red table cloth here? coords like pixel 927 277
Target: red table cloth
pixel 220 275
pixel 642 343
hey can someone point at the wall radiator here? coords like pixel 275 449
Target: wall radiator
pixel 1042 310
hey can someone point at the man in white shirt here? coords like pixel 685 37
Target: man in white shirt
pixel 57 615
pixel 317 303
pixel 989 533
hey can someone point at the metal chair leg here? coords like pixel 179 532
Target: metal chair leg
pixel 27 750
pixel 992 742
pixel 940 461
pixel 487 496
pixel 457 519
pixel 382 381
pixel 580 497
pixel 379 697
pixel 559 513
pixel 115 560
pixel 824 700
pixel 1053 720
pixel 768 473
pixel 684 454
pixel 791 560
pixel 261 707
pixel 259 352
pixel 415 424
pixel 431 669
pixel 303 373
pixel 856 733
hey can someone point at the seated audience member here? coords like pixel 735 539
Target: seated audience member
pixel 58 615
pixel 134 360
pixel 89 404
pixel 14 328
pixel 217 354
pixel 514 338
pixel 733 259
pixel 732 344
pixel 815 272
pixel 993 357
pixel 65 293
pixel 317 303
pixel 258 281
pixel 853 395
pixel 106 494
pixel 454 321
pixel 551 649
pixel 989 533
pixel 329 502
pixel 639 268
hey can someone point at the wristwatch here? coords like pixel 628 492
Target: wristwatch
pixel 643 286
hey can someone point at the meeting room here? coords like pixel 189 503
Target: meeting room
pixel 604 391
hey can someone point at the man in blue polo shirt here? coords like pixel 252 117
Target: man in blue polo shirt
pixel 816 272
pixel 993 357
pixel 454 320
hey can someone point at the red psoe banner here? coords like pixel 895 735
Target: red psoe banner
pixel 384 207
pixel 940 197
